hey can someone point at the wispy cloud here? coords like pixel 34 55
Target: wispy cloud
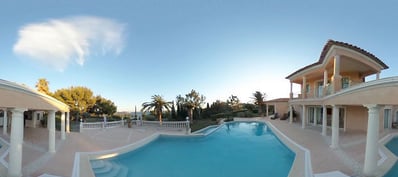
pixel 57 42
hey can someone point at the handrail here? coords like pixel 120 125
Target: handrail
pixel 100 125
pixel 113 124
pixel 364 85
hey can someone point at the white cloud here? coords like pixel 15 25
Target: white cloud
pixel 57 42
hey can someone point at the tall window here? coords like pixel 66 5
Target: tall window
pixel 320 89
pixel 345 82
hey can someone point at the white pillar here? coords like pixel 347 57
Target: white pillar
pixel 372 137
pixel 5 123
pixel 304 91
pixel 51 131
pixel 325 82
pixel 16 141
pixel 336 74
pixel 266 110
pixel 335 127
pixel 67 122
pixel 303 117
pixel 34 118
pixel 336 68
pixel 290 114
pixel 378 76
pixel 324 120
pixel 291 90
pixel 62 125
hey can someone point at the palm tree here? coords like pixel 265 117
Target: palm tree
pixel 157 104
pixel 191 101
pixel 259 100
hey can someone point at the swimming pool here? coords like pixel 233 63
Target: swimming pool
pixel 207 130
pixel 392 145
pixel 235 149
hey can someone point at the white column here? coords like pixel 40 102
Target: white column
pixel 304 91
pixel 336 68
pixel 266 110
pixel 290 114
pixel 372 136
pixel 291 90
pixel 67 122
pixel 378 76
pixel 324 120
pixel 335 127
pixel 5 124
pixel 51 131
pixel 16 141
pixel 34 118
pixel 303 117
pixel 336 74
pixel 62 125
pixel 325 82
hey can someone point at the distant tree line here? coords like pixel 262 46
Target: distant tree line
pixel 191 105
pixel 81 100
pixel 84 104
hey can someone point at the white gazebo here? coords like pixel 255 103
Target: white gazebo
pixel 17 99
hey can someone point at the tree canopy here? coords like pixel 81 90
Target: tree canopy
pixel 234 102
pixel 191 101
pixel 42 86
pixel 259 100
pixel 157 104
pixel 103 106
pixel 78 98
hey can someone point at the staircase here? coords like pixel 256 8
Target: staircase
pixel 103 168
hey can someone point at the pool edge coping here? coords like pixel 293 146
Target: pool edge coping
pixel 4 150
pixel 303 155
pixel 82 166
pixel 388 159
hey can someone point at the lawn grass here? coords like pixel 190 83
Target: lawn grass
pixel 202 123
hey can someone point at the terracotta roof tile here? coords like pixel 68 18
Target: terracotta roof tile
pixel 327 47
pixel 278 100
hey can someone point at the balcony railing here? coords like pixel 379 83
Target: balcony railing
pixel 328 90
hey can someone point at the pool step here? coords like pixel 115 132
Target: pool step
pixel 97 164
pixel 104 168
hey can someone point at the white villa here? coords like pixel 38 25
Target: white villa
pixel 334 94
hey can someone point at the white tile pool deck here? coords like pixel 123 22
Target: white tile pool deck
pixel 36 161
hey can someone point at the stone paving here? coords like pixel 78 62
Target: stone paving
pixel 347 159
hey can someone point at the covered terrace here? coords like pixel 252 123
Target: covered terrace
pixel 15 100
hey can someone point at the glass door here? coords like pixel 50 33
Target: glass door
pixel 318 115
pixel 341 117
pixel 320 89
pixel 311 117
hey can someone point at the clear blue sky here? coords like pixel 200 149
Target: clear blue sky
pixel 129 50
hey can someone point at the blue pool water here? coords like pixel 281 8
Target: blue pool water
pixel 236 149
pixel 392 145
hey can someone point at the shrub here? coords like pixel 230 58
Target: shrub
pixel 150 118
